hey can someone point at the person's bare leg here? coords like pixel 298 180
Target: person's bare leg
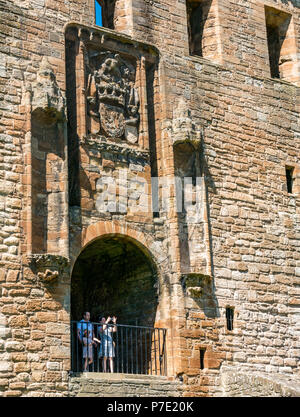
pixel 111 362
pixel 104 363
pixel 91 357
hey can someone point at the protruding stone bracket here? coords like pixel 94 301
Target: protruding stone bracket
pixel 47 101
pixel 194 284
pixel 111 37
pixel 116 149
pixel 48 267
pixel 183 127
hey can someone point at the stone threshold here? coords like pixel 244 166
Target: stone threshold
pixel 120 377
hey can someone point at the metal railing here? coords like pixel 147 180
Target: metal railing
pixel 118 348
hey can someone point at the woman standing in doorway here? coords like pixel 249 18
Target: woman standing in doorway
pixel 107 349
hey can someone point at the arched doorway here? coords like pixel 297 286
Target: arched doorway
pixel 114 275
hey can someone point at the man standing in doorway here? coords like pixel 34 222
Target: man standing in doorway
pixel 85 334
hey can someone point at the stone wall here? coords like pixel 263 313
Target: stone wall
pixel 240 31
pixel 244 127
pixel 35 333
pixel 254 222
pixel 126 385
pixel 242 384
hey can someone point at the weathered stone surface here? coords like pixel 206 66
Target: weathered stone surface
pixel 48 267
pixel 256 384
pixel 46 95
pixel 103 385
pixel 87 116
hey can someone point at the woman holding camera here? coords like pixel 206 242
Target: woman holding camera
pixel 107 349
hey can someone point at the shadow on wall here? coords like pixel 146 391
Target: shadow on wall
pixel 211 305
pixel 47 176
pixel 190 162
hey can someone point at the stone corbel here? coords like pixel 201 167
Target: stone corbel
pixel 183 128
pixel 47 100
pixel 194 284
pixel 195 292
pixel 48 267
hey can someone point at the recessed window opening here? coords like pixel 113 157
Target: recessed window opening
pixel 202 22
pixel 279 46
pixel 229 318
pixel 195 26
pixel 202 354
pixel 289 173
pixel 104 13
pixel 98 13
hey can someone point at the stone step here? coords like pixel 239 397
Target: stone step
pixel 120 376
pixel 108 385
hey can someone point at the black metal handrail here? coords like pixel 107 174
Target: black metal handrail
pixel 118 348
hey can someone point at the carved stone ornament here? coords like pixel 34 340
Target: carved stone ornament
pixel 195 292
pixel 114 148
pixel 47 98
pixel 183 127
pixel 113 100
pixel 194 283
pixel 48 267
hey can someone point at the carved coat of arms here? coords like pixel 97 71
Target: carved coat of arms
pixel 113 100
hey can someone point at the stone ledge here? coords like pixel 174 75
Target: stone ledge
pixel 118 376
pixel 238 383
pixel 122 385
pixel 119 149
pixel 103 34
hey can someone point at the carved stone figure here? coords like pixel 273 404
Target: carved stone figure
pixel 48 267
pixel 47 98
pixel 132 105
pixel 183 128
pixel 113 101
pixel 195 284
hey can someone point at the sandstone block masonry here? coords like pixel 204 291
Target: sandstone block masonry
pixel 110 385
pixel 165 90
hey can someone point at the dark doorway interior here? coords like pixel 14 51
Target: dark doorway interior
pixel 113 276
